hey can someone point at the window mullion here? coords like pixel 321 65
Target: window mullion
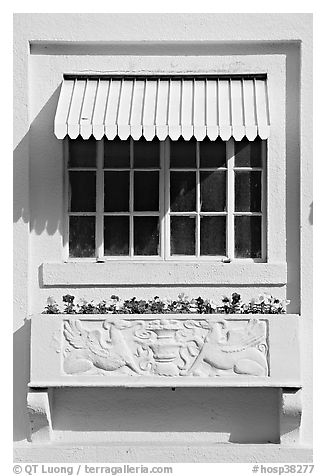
pixel 230 198
pixel 162 201
pixel 66 199
pixel 131 200
pixel 167 232
pixel 264 200
pixel 99 200
pixel 197 201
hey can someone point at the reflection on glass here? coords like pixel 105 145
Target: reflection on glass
pixel 81 236
pixel 248 154
pixel 182 191
pixel 248 191
pixel 183 153
pixel 116 191
pixel 82 153
pixel 146 236
pixel 183 235
pixel 116 235
pixel 213 236
pixel 146 191
pixel 213 191
pixel 212 153
pixel 147 153
pixel 116 153
pixel 82 196
pixel 248 237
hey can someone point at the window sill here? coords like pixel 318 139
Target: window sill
pixel 119 273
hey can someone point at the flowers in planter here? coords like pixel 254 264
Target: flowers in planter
pixel 264 304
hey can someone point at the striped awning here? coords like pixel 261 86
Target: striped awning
pixel 165 106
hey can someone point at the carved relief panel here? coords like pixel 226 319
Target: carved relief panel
pixel 167 347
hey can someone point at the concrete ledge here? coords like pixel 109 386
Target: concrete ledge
pixel 162 273
pixel 161 453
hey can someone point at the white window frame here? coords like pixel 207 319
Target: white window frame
pixel 164 212
pixel 59 270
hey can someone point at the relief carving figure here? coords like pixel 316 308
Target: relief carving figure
pixel 242 351
pixel 104 348
pixel 166 347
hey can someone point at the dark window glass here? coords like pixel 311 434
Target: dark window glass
pixel 248 191
pixel 82 153
pixel 183 191
pixel 213 191
pixel 183 153
pixel 81 237
pixel 212 236
pixel 116 235
pixel 146 191
pixel 147 153
pixel 248 154
pixel 116 154
pixel 248 237
pixel 116 191
pixel 212 153
pixel 183 235
pixel 82 191
pixel 146 235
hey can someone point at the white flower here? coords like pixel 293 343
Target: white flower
pixel 167 301
pixel 213 304
pixel 51 301
pixel 265 298
pixel 183 297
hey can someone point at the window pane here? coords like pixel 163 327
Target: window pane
pixel 212 236
pixel 248 191
pixel 82 153
pixel 116 191
pixel 81 237
pixel 82 191
pixel 146 191
pixel 213 191
pixel 183 235
pixel 183 191
pixel 147 153
pixel 146 235
pixel 213 153
pixel 248 154
pixel 116 235
pixel 116 153
pixel 183 153
pixel 248 237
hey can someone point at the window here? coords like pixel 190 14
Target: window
pixel 166 200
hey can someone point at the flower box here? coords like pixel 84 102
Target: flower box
pixel 176 350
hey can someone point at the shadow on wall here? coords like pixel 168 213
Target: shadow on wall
pixel 21 364
pixel 40 152
pixel 44 152
pixel 125 413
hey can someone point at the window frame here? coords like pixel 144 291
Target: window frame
pixel 164 212
pixel 58 270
